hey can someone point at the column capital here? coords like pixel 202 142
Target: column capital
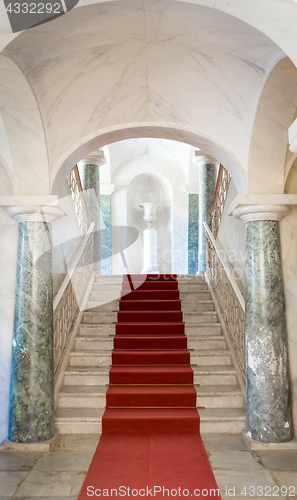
pixel 97 157
pixel 35 213
pixel 202 158
pixel 262 207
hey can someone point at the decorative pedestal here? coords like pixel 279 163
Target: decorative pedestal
pixel 150 240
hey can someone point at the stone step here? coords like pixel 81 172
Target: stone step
pixel 192 286
pixel 95 397
pixel 203 329
pixel 87 376
pixel 89 358
pixel 107 287
pixel 93 306
pixel 210 358
pixel 81 396
pixel 94 318
pixel 206 342
pixel 214 375
pixel 229 396
pixel 190 278
pixel 197 306
pixel 108 278
pixel 100 330
pixel 89 420
pixel 89 343
pixel 203 375
pixel 105 343
pixel 103 358
pixel 79 420
pixel 104 296
pixel 222 420
pixel 200 317
pixel 194 296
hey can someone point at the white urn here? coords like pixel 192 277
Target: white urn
pixel 150 212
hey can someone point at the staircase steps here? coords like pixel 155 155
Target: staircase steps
pixel 82 399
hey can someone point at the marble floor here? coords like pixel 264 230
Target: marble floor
pixel 59 474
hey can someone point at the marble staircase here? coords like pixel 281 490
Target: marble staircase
pixel 82 398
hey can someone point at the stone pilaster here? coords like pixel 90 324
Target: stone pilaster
pixel 31 413
pixel 208 171
pixel 269 414
pixel 90 178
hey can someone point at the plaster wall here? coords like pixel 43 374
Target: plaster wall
pixel 231 236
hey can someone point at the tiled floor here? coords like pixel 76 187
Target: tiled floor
pixel 59 474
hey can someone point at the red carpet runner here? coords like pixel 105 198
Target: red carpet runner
pixel 150 444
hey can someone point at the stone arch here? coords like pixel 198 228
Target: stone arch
pixel 165 131
pixel 269 141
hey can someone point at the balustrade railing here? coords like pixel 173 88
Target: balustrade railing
pixel 228 297
pixel 70 295
pixel 220 197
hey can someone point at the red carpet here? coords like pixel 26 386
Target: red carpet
pixel 150 443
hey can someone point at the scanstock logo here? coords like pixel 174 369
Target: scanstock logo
pixel 27 14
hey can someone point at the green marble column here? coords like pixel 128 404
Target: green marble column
pixel 106 248
pixel 90 179
pixel 193 233
pixel 31 412
pixel 207 186
pixel 269 412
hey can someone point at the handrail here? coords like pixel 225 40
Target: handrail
pixel 220 198
pixel 73 267
pixel 221 254
pixel 69 299
pixel 229 302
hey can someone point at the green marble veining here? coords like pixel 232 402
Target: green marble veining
pixel 269 416
pixel 193 232
pixel 207 186
pixel 91 185
pixel 31 413
pixel 105 212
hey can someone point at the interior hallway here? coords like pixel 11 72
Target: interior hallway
pixel 59 474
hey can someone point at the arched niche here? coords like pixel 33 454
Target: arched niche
pixel 151 188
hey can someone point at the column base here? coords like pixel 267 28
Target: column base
pixel 42 446
pixel 257 445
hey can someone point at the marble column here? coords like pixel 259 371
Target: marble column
pixel 90 179
pixel 208 171
pixel 269 414
pixel 31 412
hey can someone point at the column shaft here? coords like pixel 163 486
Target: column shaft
pixel 31 416
pixel 207 186
pixel 269 417
pixel 91 186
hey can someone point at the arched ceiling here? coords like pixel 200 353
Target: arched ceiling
pixel 275 18
pixel 125 64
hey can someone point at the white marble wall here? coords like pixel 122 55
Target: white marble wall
pixel 24 146
pixel 231 236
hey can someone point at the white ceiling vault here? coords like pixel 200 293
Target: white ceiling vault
pixel 111 71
